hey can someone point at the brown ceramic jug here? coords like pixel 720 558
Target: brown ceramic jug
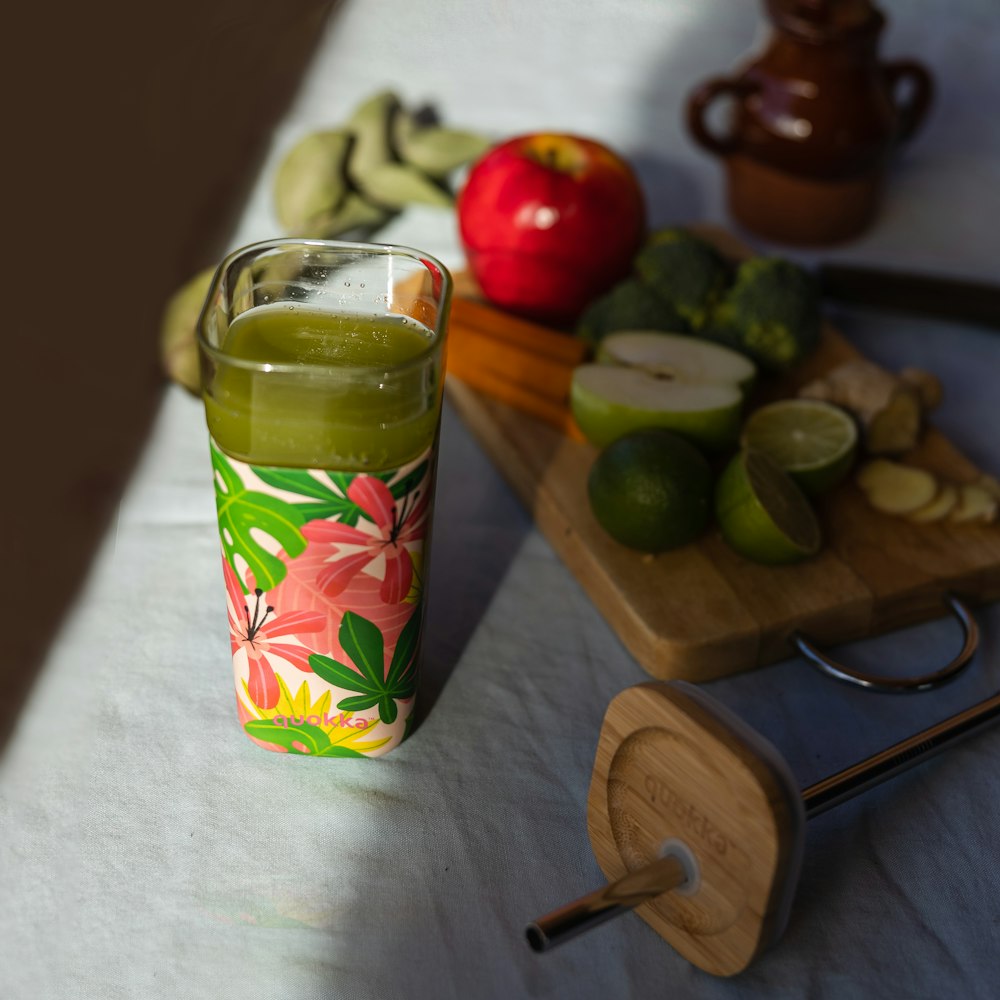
pixel 815 118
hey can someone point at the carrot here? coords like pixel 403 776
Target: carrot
pixel 422 309
pixel 467 368
pixel 526 366
pixel 541 375
pixel 530 336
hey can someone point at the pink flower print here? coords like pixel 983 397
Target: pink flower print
pixel 397 524
pixel 254 632
pixel 300 590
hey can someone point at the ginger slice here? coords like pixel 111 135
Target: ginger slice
pixel 894 488
pixel 975 503
pixel 938 508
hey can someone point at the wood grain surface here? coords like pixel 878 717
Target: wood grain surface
pixel 703 611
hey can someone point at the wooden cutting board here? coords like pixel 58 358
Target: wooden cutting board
pixel 703 611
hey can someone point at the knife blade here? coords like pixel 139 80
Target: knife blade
pixel 921 294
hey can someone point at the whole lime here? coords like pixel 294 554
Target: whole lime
pixel 651 490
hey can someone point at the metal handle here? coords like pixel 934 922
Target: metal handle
pixel 970 635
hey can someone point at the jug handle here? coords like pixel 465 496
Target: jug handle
pixel 911 112
pixel 698 105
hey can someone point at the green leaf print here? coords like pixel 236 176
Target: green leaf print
pixel 362 642
pixel 409 482
pixel 358 703
pixel 338 751
pixel 311 737
pixel 404 655
pixel 324 502
pixel 336 673
pixel 240 510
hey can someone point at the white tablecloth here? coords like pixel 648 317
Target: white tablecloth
pixel 155 852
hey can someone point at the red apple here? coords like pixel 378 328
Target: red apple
pixel 550 222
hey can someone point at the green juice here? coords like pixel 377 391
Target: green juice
pixel 301 387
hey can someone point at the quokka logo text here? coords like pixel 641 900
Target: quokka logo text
pixel 343 721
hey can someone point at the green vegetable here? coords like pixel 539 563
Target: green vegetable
pixel 349 181
pixel 371 126
pixel 355 217
pixel 771 313
pixel 311 178
pixel 689 274
pixel 630 305
pixel 396 185
pixel 436 150
pixel 178 344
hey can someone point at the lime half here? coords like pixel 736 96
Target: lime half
pixel 763 515
pixel 814 442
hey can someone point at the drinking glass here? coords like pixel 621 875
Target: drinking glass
pixel 322 371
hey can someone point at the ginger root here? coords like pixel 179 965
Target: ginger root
pixel 938 507
pixel 894 488
pixel 889 408
pixel 974 504
pixel 923 497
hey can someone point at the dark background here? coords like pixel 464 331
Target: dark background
pixel 132 134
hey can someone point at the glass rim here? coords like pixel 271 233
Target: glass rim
pixel 339 371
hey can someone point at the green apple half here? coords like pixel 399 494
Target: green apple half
pixel 644 379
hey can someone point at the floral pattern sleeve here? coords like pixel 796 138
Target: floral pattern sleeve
pixel 324 590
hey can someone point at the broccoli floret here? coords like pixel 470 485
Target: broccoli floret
pixel 630 305
pixel 771 313
pixel 684 271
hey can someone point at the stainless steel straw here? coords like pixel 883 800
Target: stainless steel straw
pixel 668 873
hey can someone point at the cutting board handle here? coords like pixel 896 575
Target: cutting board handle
pixel 970 641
